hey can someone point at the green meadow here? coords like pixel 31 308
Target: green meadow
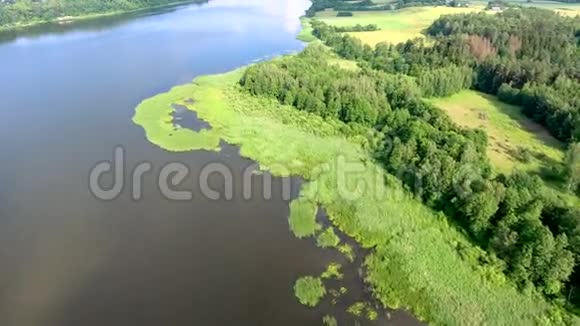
pixel 508 130
pixel 305 34
pixel 515 142
pixel 418 260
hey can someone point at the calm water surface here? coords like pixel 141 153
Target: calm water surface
pixel 67 96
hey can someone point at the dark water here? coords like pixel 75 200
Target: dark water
pixel 186 118
pixel 67 96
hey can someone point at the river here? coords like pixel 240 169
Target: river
pixel 67 96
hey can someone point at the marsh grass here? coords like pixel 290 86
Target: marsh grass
pixel 363 309
pixel 414 262
pixel 347 251
pixel 309 290
pixel 305 34
pixel 302 218
pixel 332 272
pixel 329 321
pixel 328 239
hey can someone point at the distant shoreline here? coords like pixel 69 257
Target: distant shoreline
pixel 72 19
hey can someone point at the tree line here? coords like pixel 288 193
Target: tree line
pixel 356 28
pixel 23 11
pixel 529 233
pixel 366 5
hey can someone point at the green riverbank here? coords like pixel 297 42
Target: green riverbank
pixel 73 19
pixel 418 262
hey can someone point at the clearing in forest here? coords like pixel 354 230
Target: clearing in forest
pixel 514 139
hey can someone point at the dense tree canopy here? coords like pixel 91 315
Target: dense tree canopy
pixel 310 84
pixel 522 33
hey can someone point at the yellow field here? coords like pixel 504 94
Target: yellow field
pixel 507 128
pixel 570 12
pixel 396 25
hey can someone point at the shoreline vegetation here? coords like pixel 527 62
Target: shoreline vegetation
pixel 69 19
pixel 415 263
pixel 420 259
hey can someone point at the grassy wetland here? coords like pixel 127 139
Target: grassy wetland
pixel 418 260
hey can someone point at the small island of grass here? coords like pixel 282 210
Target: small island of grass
pixel 309 290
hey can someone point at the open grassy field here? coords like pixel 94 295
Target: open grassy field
pixel 509 131
pixel 515 141
pixel 396 25
pixel 344 63
pixel 417 261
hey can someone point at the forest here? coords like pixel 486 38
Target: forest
pixel 526 56
pixel 14 12
pixel 529 233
